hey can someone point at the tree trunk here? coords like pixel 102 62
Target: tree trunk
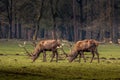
pixel 15 30
pixel 54 29
pixel 115 21
pixel 36 32
pixel 15 19
pixel 74 22
pixel 19 30
pixel 9 13
pixel 38 21
pixel 109 13
pixel 81 18
pixel 10 30
pixel 88 20
pixel 46 34
pixel 54 15
pixel 1 34
pixel 6 31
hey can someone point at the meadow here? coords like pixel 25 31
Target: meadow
pixel 16 65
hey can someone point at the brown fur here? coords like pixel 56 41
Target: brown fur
pixel 46 45
pixel 88 45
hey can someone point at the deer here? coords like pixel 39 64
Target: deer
pixel 43 46
pixel 87 45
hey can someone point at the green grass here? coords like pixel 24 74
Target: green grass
pixel 19 67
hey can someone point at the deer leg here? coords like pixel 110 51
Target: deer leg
pixel 53 55
pixel 83 57
pixel 79 56
pixel 92 56
pixel 44 56
pixel 56 56
pixel 96 52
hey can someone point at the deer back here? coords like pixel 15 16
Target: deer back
pixel 85 44
pixel 46 45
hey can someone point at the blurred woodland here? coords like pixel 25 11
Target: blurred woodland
pixel 60 19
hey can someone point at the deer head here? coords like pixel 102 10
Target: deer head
pixel 73 54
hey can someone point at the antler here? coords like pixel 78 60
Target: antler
pixel 23 46
pixel 34 44
pixel 68 44
pixel 61 47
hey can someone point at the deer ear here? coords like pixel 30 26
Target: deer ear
pixel 39 44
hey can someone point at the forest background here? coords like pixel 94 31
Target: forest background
pixel 58 19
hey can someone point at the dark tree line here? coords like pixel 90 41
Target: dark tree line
pixel 52 19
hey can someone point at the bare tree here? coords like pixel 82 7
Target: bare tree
pixel 74 21
pixel 37 26
pixel 9 7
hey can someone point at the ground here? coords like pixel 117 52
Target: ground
pixel 16 65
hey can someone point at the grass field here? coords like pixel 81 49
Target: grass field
pixel 15 65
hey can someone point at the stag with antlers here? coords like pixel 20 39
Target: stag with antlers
pixel 84 46
pixel 43 46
